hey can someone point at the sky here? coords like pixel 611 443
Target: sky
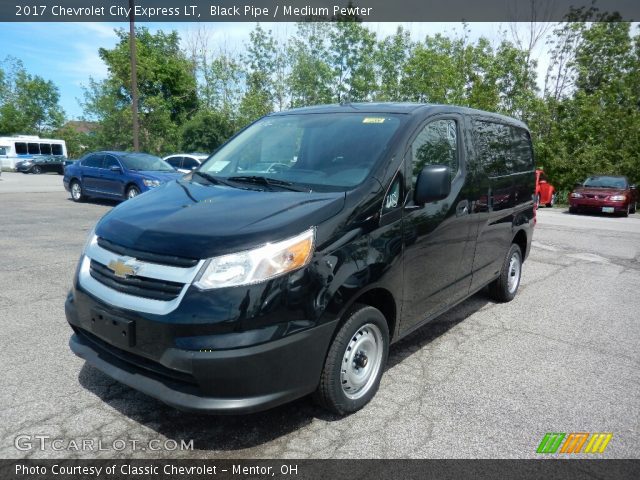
pixel 67 53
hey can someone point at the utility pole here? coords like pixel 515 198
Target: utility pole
pixel 134 78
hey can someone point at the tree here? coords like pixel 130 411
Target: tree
pixel 29 104
pixel 206 131
pixel 391 57
pixel 166 89
pixel 310 77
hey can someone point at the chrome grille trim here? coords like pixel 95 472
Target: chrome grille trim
pixel 149 270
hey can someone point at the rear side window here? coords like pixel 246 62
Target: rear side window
pixel 56 149
pixel 436 144
pixel 502 149
pixel 21 148
pixel 94 161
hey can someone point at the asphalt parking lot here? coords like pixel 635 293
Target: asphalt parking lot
pixel 484 381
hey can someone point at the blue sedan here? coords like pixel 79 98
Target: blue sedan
pixel 116 175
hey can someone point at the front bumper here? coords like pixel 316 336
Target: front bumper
pixel 597 205
pixel 232 381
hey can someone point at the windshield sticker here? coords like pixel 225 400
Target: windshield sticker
pixel 373 120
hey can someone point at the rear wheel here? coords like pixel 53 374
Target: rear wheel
pixel 505 287
pixel 132 191
pixel 355 362
pixel 76 191
pixel 634 207
pixel 552 202
pixel 37 169
pixel 626 212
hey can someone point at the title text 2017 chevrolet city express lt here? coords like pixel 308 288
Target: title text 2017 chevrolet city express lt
pixel 288 262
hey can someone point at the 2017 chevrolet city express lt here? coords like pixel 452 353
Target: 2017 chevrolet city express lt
pixel 239 287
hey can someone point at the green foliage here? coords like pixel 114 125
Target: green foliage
pixel 205 132
pixel 166 89
pixel 28 103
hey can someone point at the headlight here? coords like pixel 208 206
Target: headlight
pixel 91 237
pixel 576 195
pixel 617 198
pixel 263 263
pixel 150 183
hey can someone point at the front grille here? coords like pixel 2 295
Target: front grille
pixel 138 286
pixel 147 256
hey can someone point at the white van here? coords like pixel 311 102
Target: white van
pixel 22 147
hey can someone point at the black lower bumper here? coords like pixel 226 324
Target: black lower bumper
pixel 233 381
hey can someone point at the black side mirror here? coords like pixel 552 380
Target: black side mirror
pixel 115 168
pixel 433 184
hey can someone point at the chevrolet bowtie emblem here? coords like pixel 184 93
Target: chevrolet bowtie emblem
pixel 121 269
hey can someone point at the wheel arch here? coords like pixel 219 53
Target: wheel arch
pixel 520 239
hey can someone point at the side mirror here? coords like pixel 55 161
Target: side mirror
pixel 633 187
pixel 194 167
pixel 115 168
pixel 433 184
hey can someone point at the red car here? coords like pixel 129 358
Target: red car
pixel 606 194
pixel 545 192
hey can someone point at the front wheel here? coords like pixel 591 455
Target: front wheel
pixel 37 169
pixel 634 207
pixel 355 362
pixel 132 191
pixel 505 287
pixel 76 191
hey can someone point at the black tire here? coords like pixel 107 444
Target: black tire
pixel 132 191
pixel 503 289
pixel 354 337
pixel 37 170
pixel 573 210
pixel 552 202
pixel 634 208
pixel 627 211
pixel 77 193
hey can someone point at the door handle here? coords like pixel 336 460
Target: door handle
pixel 462 208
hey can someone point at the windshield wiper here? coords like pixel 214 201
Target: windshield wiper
pixel 266 181
pixel 213 179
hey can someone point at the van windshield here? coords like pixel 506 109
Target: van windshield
pixel 322 151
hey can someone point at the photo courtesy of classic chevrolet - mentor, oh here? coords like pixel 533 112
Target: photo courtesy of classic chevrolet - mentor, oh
pixel 237 287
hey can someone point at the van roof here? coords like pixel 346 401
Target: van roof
pixel 401 108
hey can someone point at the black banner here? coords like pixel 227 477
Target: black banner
pixel 317 10
pixel 318 469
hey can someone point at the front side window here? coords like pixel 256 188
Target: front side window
pixel 436 144
pixel 174 161
pixel 21 148
pixel 3 150
pixel 109 162
pixel 331 151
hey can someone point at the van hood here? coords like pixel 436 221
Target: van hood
pixel 187 219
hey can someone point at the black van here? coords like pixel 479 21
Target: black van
pixel 291 259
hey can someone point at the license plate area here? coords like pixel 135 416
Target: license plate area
pixel 607 210
pixel 115 330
